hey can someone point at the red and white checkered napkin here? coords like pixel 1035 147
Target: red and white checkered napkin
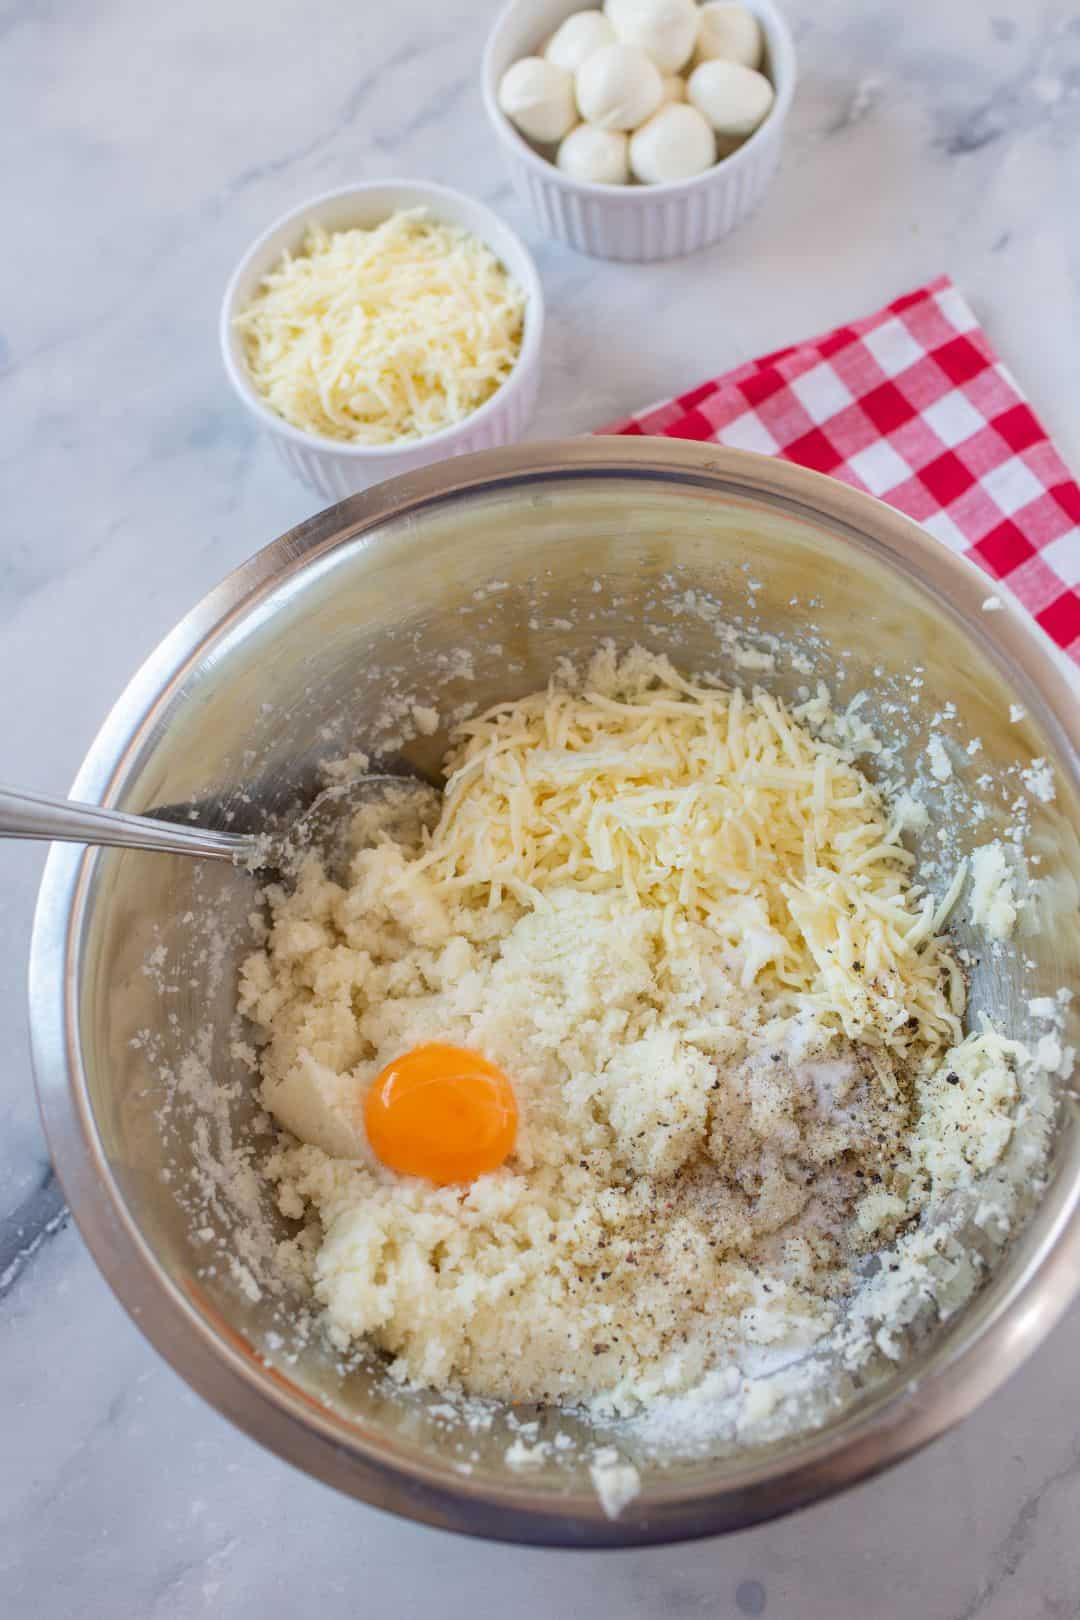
pixel 913 405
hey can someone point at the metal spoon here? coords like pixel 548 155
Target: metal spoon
pixel 324 825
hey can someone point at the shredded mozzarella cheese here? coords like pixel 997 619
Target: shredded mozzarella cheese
pixel 376 336
pixel 713 807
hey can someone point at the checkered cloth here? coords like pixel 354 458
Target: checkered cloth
pixel 913 405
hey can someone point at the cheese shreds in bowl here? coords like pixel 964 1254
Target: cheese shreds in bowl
pixel 684 922
pixel 715 808
pixel 383 335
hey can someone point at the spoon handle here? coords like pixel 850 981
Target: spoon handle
pixel 30 815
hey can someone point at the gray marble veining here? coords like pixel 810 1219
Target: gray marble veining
pixel 144 146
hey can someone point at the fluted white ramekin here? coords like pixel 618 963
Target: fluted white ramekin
pixel 327 466
pixel 635 222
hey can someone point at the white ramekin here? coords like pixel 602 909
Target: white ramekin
pixel 635 222
pixel 335 470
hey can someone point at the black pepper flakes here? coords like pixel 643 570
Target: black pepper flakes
pixel 952 1079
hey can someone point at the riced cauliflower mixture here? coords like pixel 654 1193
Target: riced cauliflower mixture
pixel 685 925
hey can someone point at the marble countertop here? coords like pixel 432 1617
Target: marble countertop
pixel 144 146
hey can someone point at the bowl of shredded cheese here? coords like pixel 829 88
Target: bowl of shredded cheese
pixel 381 327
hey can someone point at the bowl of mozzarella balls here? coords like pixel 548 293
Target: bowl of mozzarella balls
pixel 639 129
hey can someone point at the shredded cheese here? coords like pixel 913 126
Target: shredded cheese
pixel 376 336
pixel 714 808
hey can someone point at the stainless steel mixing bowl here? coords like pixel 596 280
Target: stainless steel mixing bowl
pixel 516 557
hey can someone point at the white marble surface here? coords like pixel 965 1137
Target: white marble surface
pixel 143 146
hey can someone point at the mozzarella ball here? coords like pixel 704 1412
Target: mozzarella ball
pixel 732 98
pixel 618 87
pixel 730 34
pixel 666 29
pixel 538 97
pixel 672 88
pixel 600 156
pixel 578 37
pixel 675 144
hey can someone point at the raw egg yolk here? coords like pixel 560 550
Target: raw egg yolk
pixel 441 1112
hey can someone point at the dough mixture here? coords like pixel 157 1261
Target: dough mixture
pixel 684 924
